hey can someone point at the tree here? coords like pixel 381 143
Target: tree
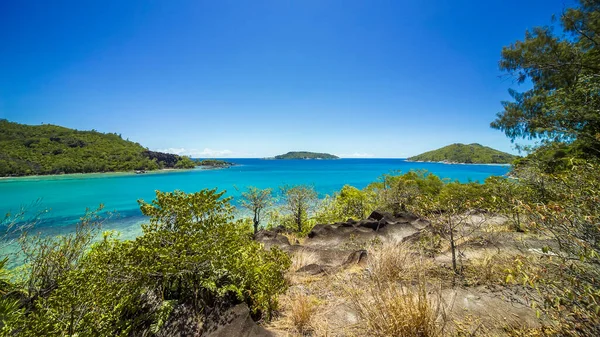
pixel 451 213
pixel 564 102
pixel 349 202
pixel 398 193
pixel 256 201
pixel 299 201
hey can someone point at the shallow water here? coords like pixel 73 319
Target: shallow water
pixel 67 197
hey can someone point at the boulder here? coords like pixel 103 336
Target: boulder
pixel 357 257
pixel 378 215
pixel 321 230
pixel 312 269
pixel 270 238
pixel 369 223
pixel 236 321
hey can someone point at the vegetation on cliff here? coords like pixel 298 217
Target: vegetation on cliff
pixel 467 154
pixel 51 149
pixel 306 155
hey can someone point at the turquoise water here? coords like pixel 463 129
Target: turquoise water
pixel 67 197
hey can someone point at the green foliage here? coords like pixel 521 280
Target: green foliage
pixel 299 202
pixel 562 105
pixel 470 154
pixel 506 196
pixel 348 203
pixel 185 163
pixel 306 155
pixel 191 254
pixel 398 193
pixel 51 149
pixel 450 214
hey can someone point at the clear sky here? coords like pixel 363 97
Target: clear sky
pixel 259 78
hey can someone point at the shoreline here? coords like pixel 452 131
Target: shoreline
pixel 453 163
pixel 92 174
pixel 110 174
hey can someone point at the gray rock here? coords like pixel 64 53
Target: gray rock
pixel 237 322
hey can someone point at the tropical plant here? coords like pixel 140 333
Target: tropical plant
pixel 299 201
pixel 256 201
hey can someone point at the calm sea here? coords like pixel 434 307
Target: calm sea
pixel 67 197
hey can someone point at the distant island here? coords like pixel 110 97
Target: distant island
pixel 306 155
pixel 213 163
pixel 51 149
pixel 465 154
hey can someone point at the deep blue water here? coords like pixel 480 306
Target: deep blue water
pixel 67 197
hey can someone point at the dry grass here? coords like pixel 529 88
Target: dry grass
pixel 303 258
pixel 298 316
pixel 396 261
pixel 294 238
pixel 388 309
pixel 302 309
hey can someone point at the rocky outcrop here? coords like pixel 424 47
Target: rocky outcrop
pixel 167 159
pixel 340 245
pixel 272 238
pixel 379 225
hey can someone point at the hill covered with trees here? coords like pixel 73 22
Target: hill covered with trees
pixel 52 149
pixel 306 155
pixel 468 154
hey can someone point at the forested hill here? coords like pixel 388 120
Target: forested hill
pixel 468 154
pixel 305 155
pixel 51 149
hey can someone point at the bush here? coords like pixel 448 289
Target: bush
pixel 348 203
pixel 191 254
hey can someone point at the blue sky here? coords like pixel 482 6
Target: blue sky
pixel 258 78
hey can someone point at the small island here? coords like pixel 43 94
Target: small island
pixel 305 155
pixel 213 163
pixel 465 154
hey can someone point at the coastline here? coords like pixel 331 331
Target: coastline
pixel 455 163
pixel 109 174
pixel 92 174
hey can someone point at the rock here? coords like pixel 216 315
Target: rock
pixel 183 321
pixel 236 321
pixel 357 257
pixel 321 230
pixel 369 223
pixel 405 217
pixel 377 215
pixel 312 269
pixel 270 238
pixel 413 238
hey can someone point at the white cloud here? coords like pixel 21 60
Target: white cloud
pixel 197 153
pixel 356 155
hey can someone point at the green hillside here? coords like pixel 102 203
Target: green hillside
pixel 468 154
pixel 306 155
pixel 51 149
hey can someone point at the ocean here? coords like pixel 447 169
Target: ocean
pixel 64 199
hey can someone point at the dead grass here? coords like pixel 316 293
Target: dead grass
pixel 301 310
pixel 397 261
pixel 388 309
pixel 303 258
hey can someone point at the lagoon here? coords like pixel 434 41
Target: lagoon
pixel 67 197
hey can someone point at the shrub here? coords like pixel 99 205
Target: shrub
pixel 191 253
